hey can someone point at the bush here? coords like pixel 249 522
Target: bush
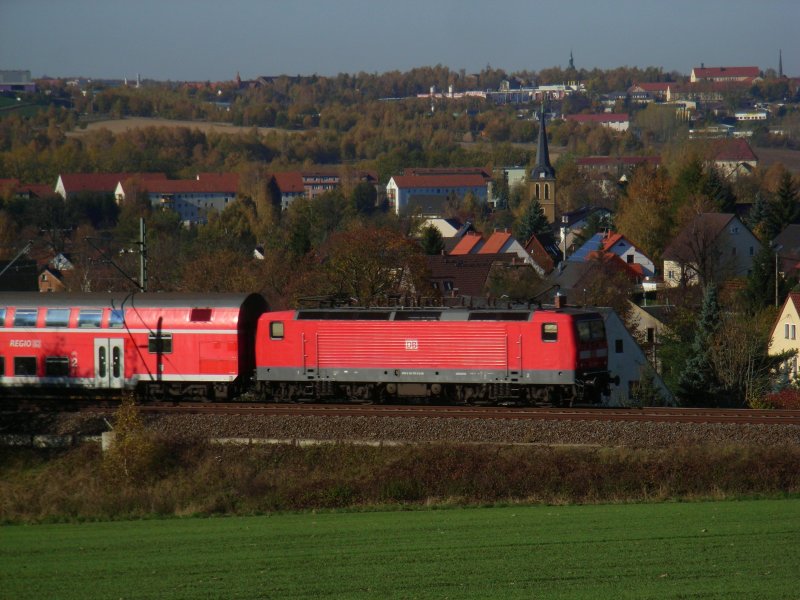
pixel 788 399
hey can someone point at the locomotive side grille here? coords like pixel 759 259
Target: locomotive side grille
pixel 367 345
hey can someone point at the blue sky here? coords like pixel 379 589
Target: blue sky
pixel 212 40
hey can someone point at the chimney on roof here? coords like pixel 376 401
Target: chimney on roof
pixel 561 300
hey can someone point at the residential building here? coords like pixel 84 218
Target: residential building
pixel 712 247
pixel 733 157
pixel 617 245
pixel 192 199
pixel 453 188
pixel 72 184
pixel 723 74
pixel 627 361
pixel 465 277
pixel 290 185
pixel 785 334
pixel 615 121
pixel 575 221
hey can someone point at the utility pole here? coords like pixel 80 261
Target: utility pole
pixel 142 256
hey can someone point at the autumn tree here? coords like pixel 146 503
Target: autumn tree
pixel 368 265
pixel 644 210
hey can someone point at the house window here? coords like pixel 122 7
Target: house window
pixel 448 285
pixel 549 332
pixel 630 259
pixel 734 229
pixel 618 346
pixel 751 251
pixel 786 331
pixel 671 274
pixel 159 343
pixel 276 331
pixel 651 335
pixel 793 332
pixel 733 251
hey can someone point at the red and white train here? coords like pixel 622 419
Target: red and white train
pixel 216 346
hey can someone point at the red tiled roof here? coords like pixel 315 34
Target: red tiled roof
pixel 40 190
pixel 102 182
pixel 734 149
pixel 600 118
pixel 291 182
pixel 417 171
pixel 440 181
pixel 467 245
pixel 589 161
pixel 611 239
pixel 717 72
pixel 655 86
pixel 224 181
pixel 495 243
pixel 191 186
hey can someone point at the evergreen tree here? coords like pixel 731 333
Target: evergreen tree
pixel 758 219
pixel 698 383
pixel 718 190
pixel 646 392
pixel 760 290
pixel 432 241
pixel 785 208
pixel 533 222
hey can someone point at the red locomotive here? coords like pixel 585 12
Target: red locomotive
pixel 162 345
pixel 449 355
pixel 211 346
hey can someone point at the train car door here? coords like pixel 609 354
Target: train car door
pixel 109 365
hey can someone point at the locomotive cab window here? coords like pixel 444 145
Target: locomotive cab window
pixel 276 330
pixel 56 317
pixel 25 317
pixel 90 318
pixel 56 366
pixel 549 332
pixel 159 344
pixel 25 366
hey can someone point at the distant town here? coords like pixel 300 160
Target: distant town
pixel 670 199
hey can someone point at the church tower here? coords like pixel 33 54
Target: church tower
pixel 542 178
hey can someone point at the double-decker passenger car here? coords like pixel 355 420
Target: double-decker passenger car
pixel 161 345
pixel 455 355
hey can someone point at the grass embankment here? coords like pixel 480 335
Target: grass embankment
pixel 162 479
pixel 693 550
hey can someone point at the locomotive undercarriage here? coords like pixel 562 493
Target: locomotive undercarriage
pixel 439 393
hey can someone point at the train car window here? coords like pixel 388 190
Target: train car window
pixel 116 319
pixel 56 317
pixel 25 366
pixel 2 317
pixel 549 332
pixel 90 318
pixel 276 330
pixel 25 317
pixel 56 366
pixel 159 344
pixel 202 315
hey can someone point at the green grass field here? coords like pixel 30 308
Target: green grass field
pixel 747 549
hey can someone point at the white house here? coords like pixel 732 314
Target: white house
pixel 402 188
pixel 627 360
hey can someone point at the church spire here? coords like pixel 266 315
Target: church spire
pixel 543 168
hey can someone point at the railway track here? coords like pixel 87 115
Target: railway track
pixel 659 415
